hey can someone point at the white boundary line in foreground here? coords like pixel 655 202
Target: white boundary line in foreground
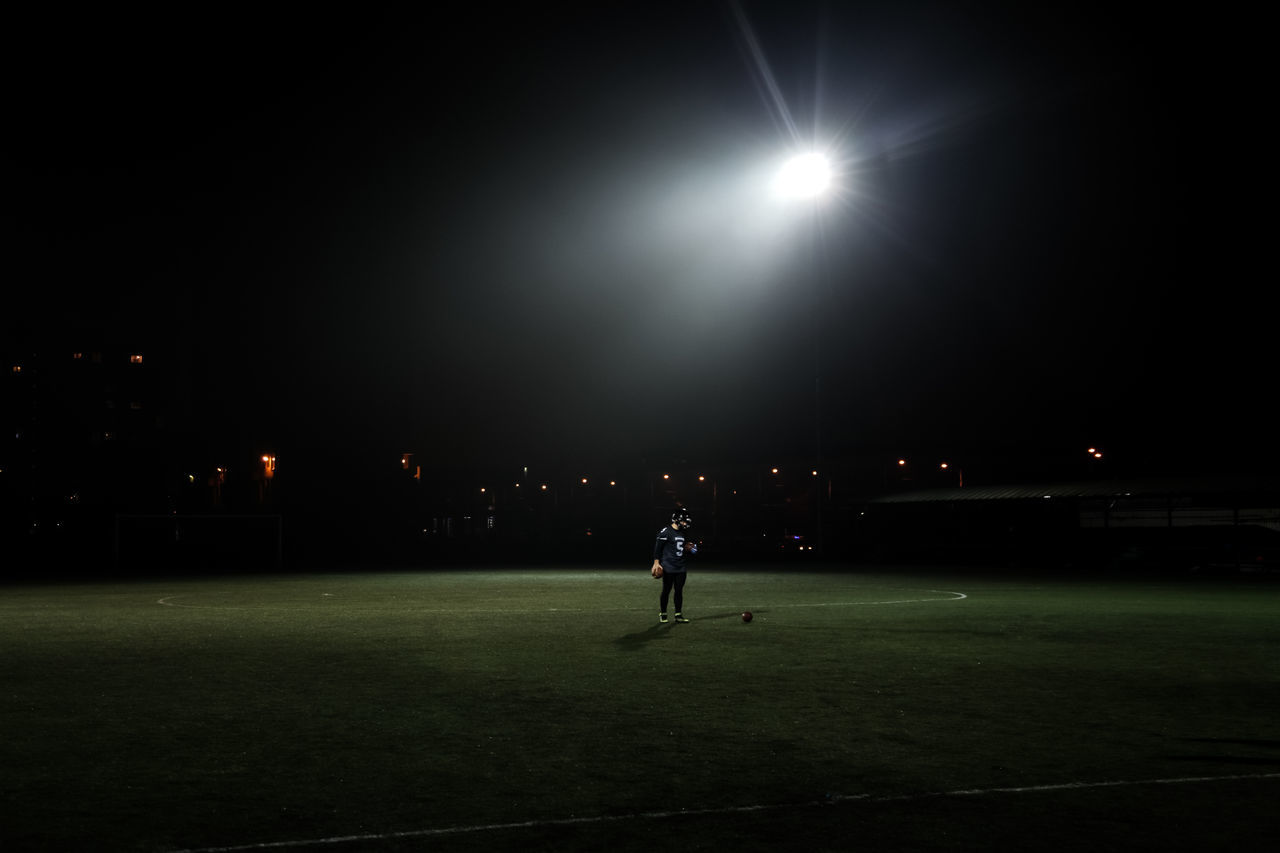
pixel 834 798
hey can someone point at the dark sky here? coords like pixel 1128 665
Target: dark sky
pixel 495 235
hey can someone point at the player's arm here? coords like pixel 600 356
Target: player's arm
pixel 658 546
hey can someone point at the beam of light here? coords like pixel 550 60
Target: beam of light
pixel 891 131
pixel 810 172
pixel 764 75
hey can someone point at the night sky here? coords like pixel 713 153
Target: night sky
pixel 497 235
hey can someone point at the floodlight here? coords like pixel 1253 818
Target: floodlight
pixel 804 176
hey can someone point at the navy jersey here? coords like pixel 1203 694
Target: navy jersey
pixel 668 550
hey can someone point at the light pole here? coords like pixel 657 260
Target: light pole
pixel 807 177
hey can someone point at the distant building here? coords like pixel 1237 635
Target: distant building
pixel 1194 524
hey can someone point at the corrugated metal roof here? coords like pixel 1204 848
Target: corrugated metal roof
pixel 1091 489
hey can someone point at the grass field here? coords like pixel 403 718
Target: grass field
pixel 548 710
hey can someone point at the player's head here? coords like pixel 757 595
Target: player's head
pixel 681 517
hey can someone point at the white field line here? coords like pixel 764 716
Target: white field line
pixel 955 596
pixel 168 601
pixel 831 799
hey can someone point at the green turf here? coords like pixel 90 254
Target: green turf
pixel 164 715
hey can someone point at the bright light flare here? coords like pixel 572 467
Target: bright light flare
pixel 804 176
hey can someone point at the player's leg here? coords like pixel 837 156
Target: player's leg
pixel 667 579
pixel 679 588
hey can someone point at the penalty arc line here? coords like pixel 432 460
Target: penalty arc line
pixel 657 815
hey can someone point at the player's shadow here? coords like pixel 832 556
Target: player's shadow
pixel 632 642
pixel 638 640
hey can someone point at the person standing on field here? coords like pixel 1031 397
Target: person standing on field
pixel 668 562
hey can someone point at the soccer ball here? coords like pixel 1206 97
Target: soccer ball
pixel 746 616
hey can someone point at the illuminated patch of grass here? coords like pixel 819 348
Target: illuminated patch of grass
pixel 164 715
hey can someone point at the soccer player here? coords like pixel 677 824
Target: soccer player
pixel 668 554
